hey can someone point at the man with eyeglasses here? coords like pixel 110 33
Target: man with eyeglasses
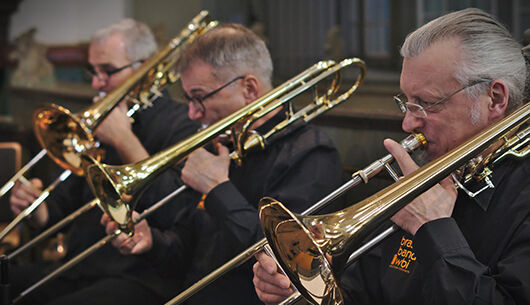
pixel 222 71
pixel 107 277
pixel 461 73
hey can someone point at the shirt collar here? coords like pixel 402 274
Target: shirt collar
pixel 270 123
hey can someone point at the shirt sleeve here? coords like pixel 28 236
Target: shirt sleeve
pixel 298 183
pixel 172 246
pixel 453 275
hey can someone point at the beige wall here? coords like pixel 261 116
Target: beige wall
pixel 172 15
pixel 66 21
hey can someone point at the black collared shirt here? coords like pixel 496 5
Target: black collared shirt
pixel 480 255
pixel 297 169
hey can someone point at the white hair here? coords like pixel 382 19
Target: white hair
pixel 488 49
pixel 137 37
pixel 232 50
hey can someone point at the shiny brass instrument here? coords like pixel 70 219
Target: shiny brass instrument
pixel 129 180
pixel 102 242
pixel 411 143
pixel 313 250
pixel 118 187
pixel 66 136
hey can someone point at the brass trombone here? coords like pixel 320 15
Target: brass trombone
pixel 410 143
pixel 313 250
pixel 126 182
pixel 118 187
pixel 66 136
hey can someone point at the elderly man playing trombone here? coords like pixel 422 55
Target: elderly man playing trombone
pixel 461 73
pixel 222 71
pixel 107 277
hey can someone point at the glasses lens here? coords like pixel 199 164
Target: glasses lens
pixel 197 103
pixel 416 110
pixel 90 72
pixel 400 102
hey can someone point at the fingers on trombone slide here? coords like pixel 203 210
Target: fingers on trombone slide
pixel 24 193
pixel 139 242
pixel 272 286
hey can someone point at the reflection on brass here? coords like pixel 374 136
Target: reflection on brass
pixel 68 138
pixel 344 230
pixel 122 185
pixel 142 88
pixel 411 143
pixel 246 139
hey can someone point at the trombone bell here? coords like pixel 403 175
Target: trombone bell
pixel 112 187
pixel 64 136
pixel 302 254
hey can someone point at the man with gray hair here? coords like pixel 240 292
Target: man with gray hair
pixel 461 73
pixel 221 72
pixel 107 277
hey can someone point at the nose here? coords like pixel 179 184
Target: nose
pixel 411 123
pixel 194 113
pixel 98 83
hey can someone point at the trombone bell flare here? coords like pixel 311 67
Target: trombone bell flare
pixel 304 256
pixel 64 136
pixel 113 193
pixel 328 240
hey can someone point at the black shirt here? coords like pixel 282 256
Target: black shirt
pixel 157 127
pixel 298 169
pixel 480 255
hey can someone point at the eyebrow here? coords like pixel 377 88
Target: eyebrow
pixel 197 91
pixel 104 66
pixel 432 98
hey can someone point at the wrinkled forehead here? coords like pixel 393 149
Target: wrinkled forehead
pixel 436 65
pixel 198 75
pixel 108 51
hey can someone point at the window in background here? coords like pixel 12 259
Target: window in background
pixel 376 28
pixel 298 31
pixel 521 18
pixel 428 10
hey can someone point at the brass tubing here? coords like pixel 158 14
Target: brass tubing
pixel 333 237
pixel 410 143
pixel 118 187
pixel 9 184
pixel 28 210
pixel 102 242
pixel 88 206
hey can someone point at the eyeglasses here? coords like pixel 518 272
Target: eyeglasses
pixel 419 109
pixel 107 73
pixel 198 100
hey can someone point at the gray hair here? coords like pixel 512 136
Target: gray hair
pixel 137 37
pixel 231 50
pixel 489 51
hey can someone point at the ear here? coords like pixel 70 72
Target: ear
pixel 498 99
pixel 251 88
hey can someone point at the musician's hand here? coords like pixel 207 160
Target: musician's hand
pixel 115 126
pixel 140 242
pixel 271 286
pixel 116 131
pixel 23 195
pixel 203 171
pixel 437 202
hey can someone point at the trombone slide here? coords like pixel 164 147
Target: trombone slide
pixel 88 206
pixel 20 174
pixel 102 242
pixel 323 239
pixel 27 211
pixel 410 143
